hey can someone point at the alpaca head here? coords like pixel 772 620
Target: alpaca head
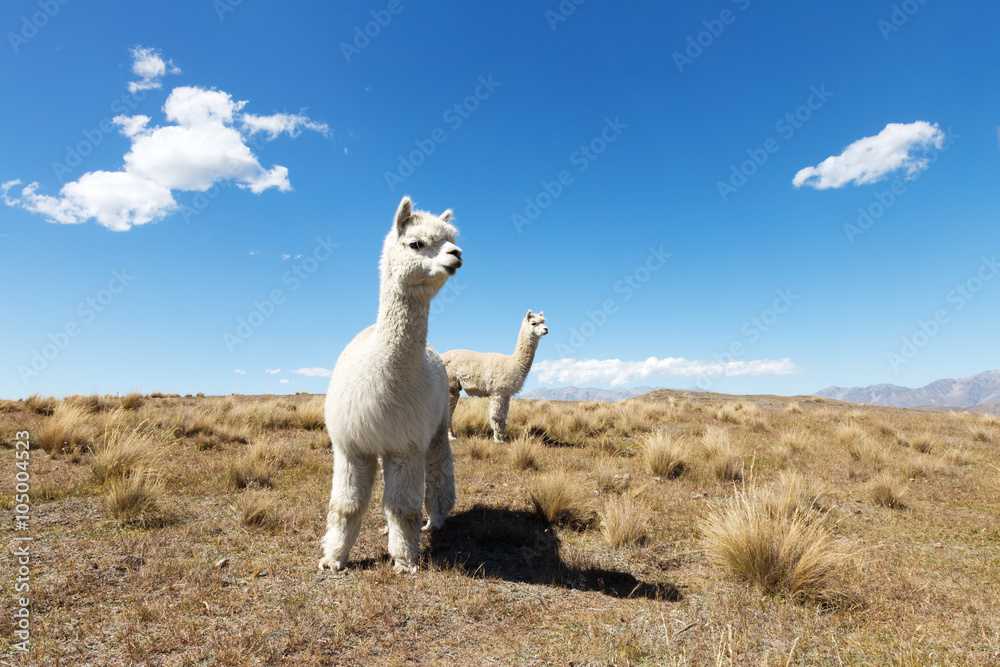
pixel 420 252
pixel 534 324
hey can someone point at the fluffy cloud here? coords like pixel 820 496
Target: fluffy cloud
pixel 148 64
pixel 617 372
pixel 240 372
pixel 277 123
pixel 283 381
pixel 315 372
pixel 199 148
pixel 869 160
pixel 272 371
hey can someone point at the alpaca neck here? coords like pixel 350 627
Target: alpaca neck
pixel 401 327
pixel 524 355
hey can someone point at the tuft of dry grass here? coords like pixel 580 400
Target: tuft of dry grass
pixel 860 445
pixel 137 499
pixel 793 409
pixel 886 491
pixel 132 401
pixel 124 451
pixel 724 460
pixel 559 500
pixel 259 509
pixel 665 456
pixel 255 467
pixel 480 449
pixel 608 475
pixel 981 433
pixel 794 440
pixel 526 453
pixel 43 405
pixel 67 430
pixel 623 522
pixel 792 555
pixel 793 494
pixel 310 415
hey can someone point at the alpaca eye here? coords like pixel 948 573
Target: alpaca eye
pixel 417 245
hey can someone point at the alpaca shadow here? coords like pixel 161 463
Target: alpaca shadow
pixel 521 546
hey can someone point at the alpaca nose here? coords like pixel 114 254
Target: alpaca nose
pixel 457 252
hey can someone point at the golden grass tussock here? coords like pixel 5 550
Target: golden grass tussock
pixel 794 494
pixel 885 490
pixel 560 500
pixel 259 509
pixel 793 409
pixel 526 453
pixel 67 430
pixel 861 446
pixel 124 450
pixel 624 521
pixel 794 555
pixel 472 418
pixel 666 456
pixel 91 404
pixel 722 455
pixel 310 415
pixel 256 466
pixel 43 405
pixel 609 476
pixel 132 401
pixel 981 433
pixel 794 439
pixel 480 449
pixel 137 499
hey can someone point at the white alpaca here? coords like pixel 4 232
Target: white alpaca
pixel 388 399
pixel 498 376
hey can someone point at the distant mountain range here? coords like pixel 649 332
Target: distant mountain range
pixel 980 389
pixel 586 393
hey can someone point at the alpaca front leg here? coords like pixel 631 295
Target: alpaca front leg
pixel 498 416
pixel 353 477
pixel 439 487
pixel 404 485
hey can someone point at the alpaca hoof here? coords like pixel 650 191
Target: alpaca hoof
pixel 399 568
pixel 327 563
pixel 432 524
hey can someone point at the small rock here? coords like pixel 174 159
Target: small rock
pixel 221 563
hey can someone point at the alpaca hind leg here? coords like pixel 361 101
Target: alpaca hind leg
pixel 439 487
pixel 498 416
pixel 404 485
pixel 353 477
pixel 452 404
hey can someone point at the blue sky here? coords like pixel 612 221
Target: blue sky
pixel 676 232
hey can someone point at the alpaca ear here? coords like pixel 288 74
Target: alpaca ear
pixel 403 215
pixel 528 315
pixel 541 313
pixel 446 216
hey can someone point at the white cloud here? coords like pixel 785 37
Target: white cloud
pixel 277 123
pixel 272 371
pixel 240 372
pixel 617 372
pixel 870 159
pixel 315 372
pixel 201 147
pixel 149 64
pixel 283 381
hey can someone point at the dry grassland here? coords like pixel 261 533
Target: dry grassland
pixel 676 529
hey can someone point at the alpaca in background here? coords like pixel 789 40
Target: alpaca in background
pixel 498 376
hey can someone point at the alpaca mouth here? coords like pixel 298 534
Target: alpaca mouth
pixel 452 269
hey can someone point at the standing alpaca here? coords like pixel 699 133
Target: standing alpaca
pixel 498 376
pixel 388 399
